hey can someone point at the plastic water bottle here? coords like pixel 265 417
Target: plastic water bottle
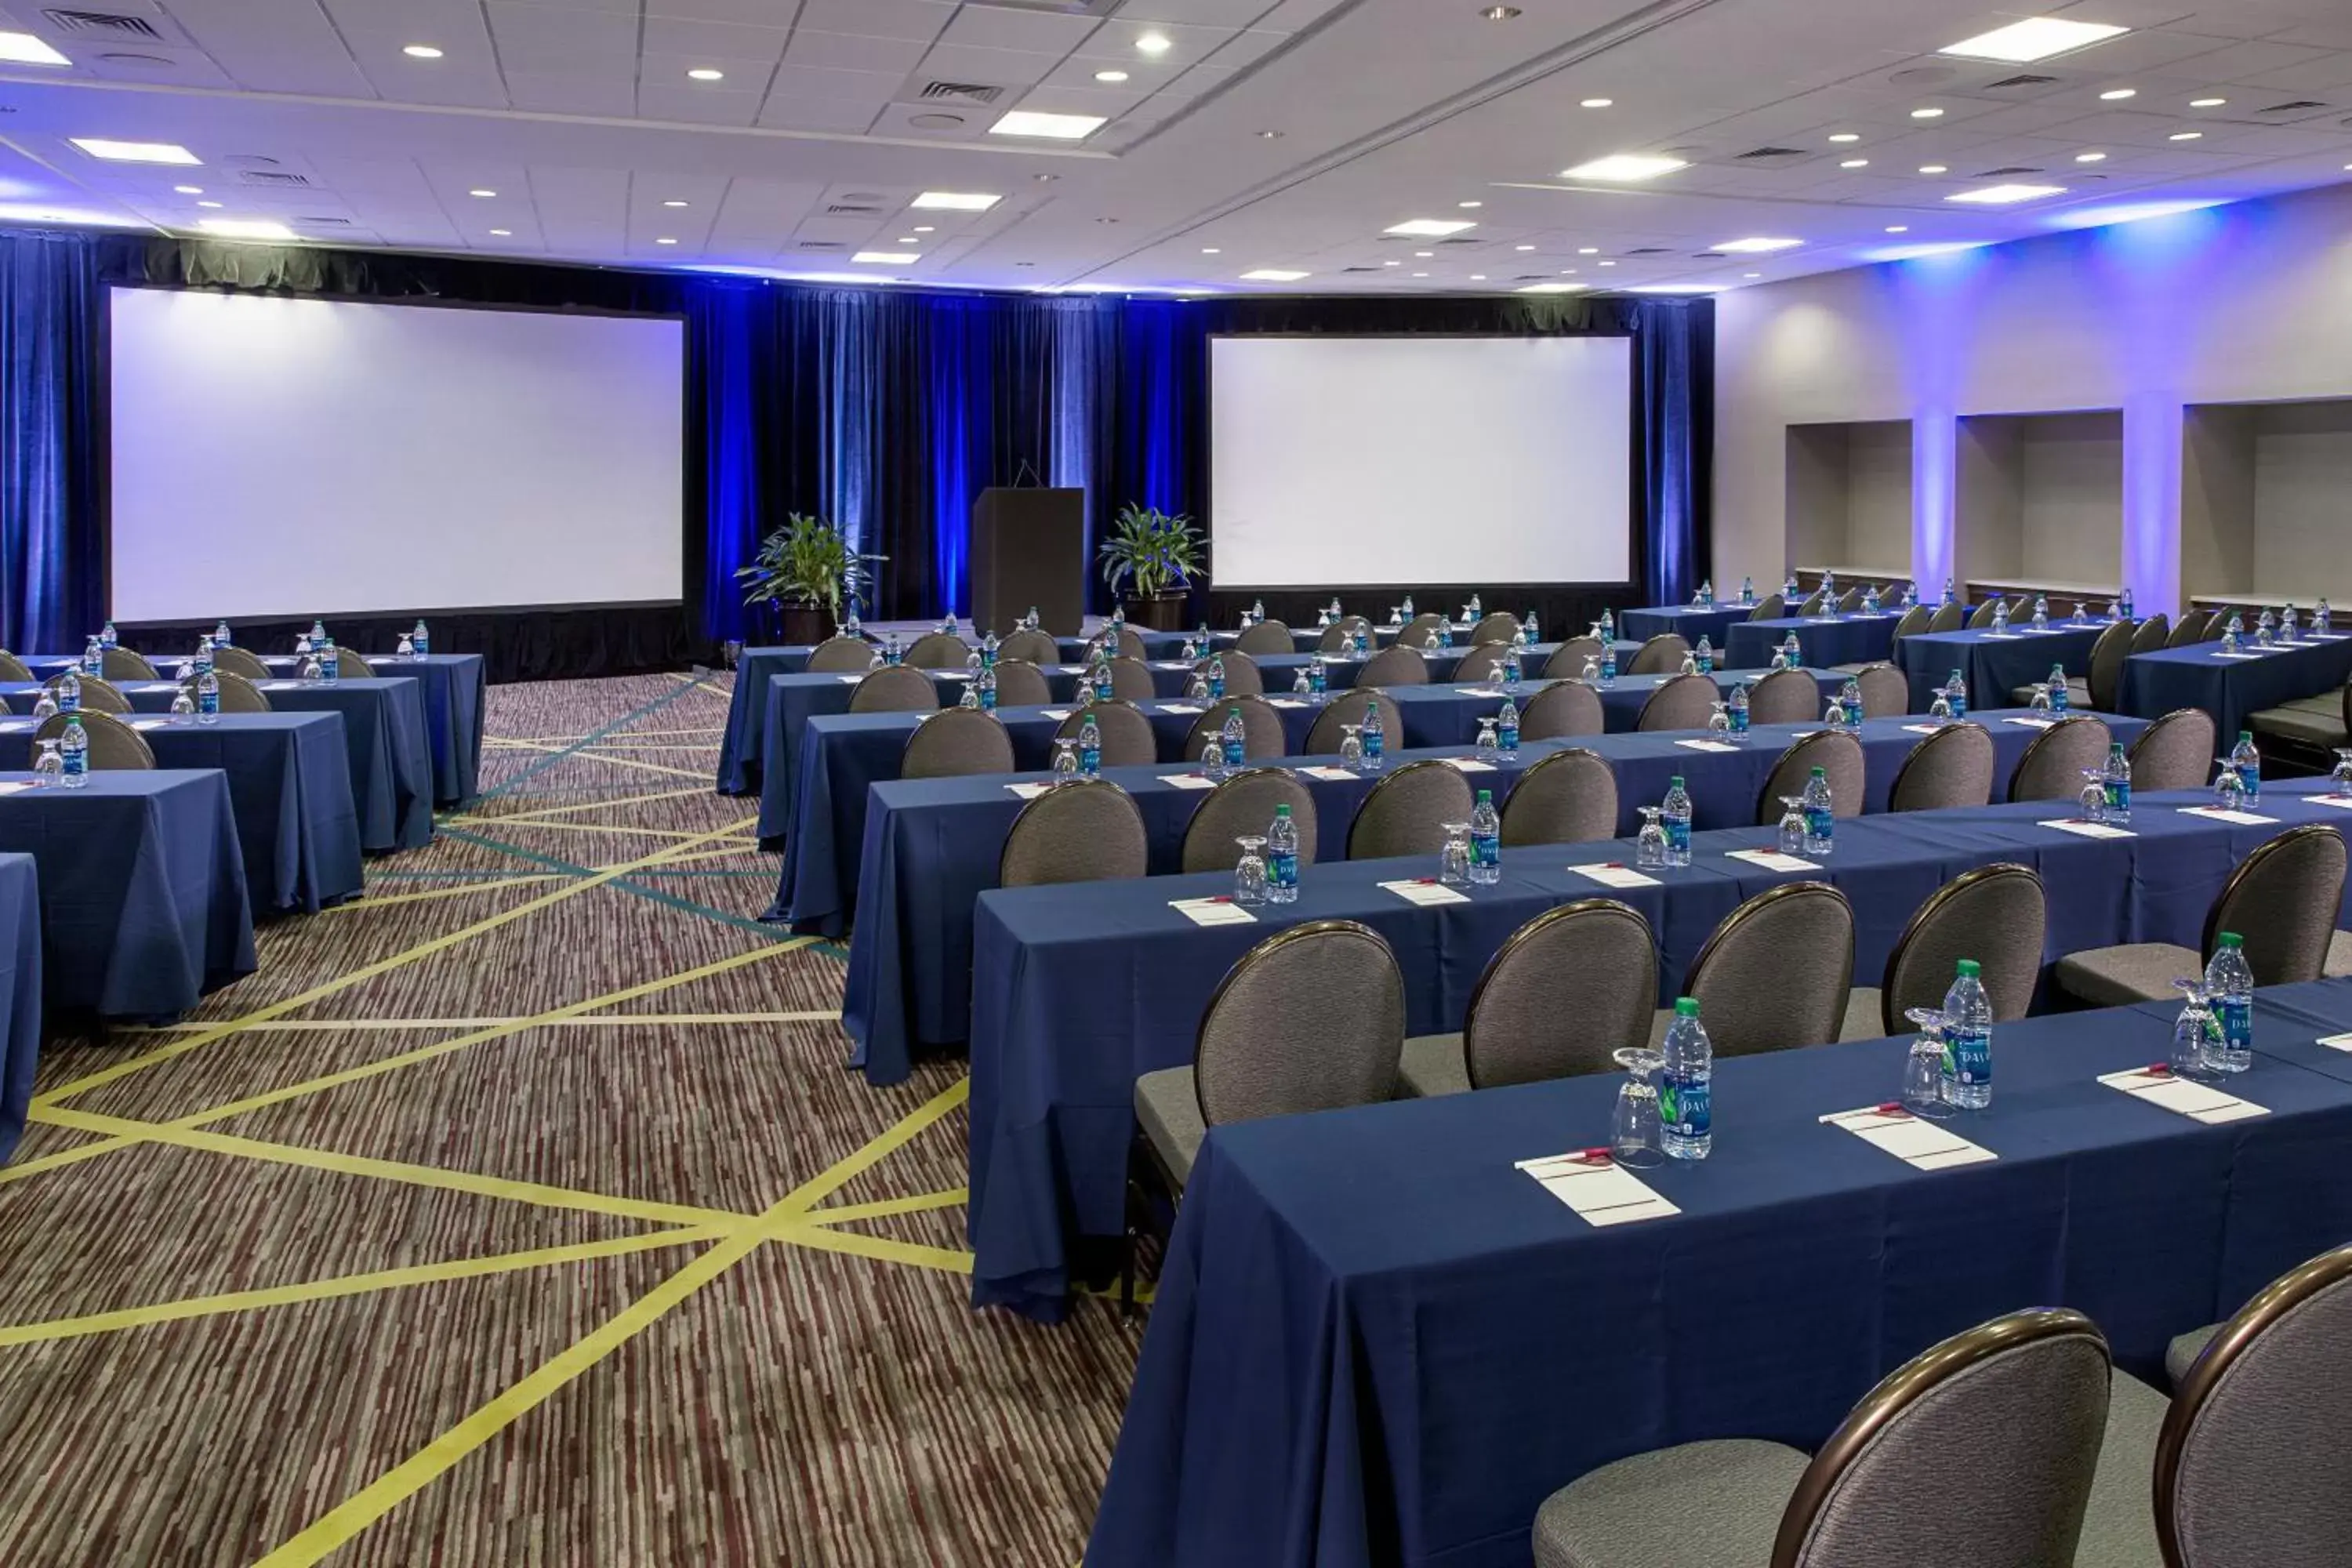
pixel 2231 986
pixel 1967 1040
pixel 203 660
pixel 1821 819
pixel 1850 699
pixel 1512 670
pixel 2116 782
pixel 331 664
pixel 1686 1086
pixel 2000 618
pixel 1089 748
pixel 1706 593
pixel 2058 693
pixel 1535 628
pixel 2248 762
pixel 987 684
pixel 1608 628
pixel 1955 692
pixel 1737 705
pixel 2320 621
pixel 108 636
pixel 73 748
pixel 2129 614
pixel 1828 589
pixel 2040 614
pixel 68 691
pixel 1216 676
pixel 1608 662
pixel 891 652
pixel 1705 656
pixel 1746 591
pixel 1950 595
pixel 1674 813
pixel 1507 729
pixel 988 645
pixel 1486 841
pixel 1318 676
pixel 1282 859
pixel 1373 737
pixel 1235 736
pixel 1870 600
pixel 1790 594
pixel 207 697
pixel 93 657
pixel 318 634
pixel 220 633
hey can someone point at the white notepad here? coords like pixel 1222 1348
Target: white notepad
pixel 2089 829
pixel 849 679
pixel 1772 860
pixel 2003 636
pixel 149 723
pixel 11 726
pixel 1469 765
pixel 1319 772
pixel 2336 1042
pixel 1180 708
pixel 1188 781
pixel 282 685
pixel 1417 891
pixel 2251 653
pixel 1599 1190
pixel 1708 745
pixel 1212 911
pixel 1056 714
pixel 1171 663
pixel 1284 703
pixel 1927 1145
pixel 2194 1101
pixel 1029 791
pixel 1924 729
pixel 1614 876
pixel 2243 818
pixel 2033 723
pixel 13 786
pixel 1494 691
pixel 2341 802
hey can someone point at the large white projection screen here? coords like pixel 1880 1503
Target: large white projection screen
pixel 1402 461
pixel 293 457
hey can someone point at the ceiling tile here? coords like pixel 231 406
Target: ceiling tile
pixel 1197 12
pixel 921 19
pixel 855 52
pixel 1115 40
pixel 815 114
pixel 613 93
pixel 552 38
pixel 1029 32
pixel 996 67
pixel 690 104
pixel 721 41
pixel 794 84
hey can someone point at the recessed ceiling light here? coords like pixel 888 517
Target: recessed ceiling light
pixel 706 73
pixel 1478 277
pixel 208 204
pixel 955 201
pixel 501 234
pixel 1598 103
pixel 1110 76
pixel 2118 94
pixel 1588 250
pixel 1568 272
pixel 1898 228
pixel 1469 206
pixel 1392 264
pixel 24 50
pixel 1752 275
pixel 1153 44
pixel 2206 102
pixel 1499 13
pixel 1625 166
pixel 422 52
pixel 1432 227
pixel 2186 136
pixel 1269 135
pixel 909 239
pixel 1855 164
pixel 1846 136
pixel 2035 38
pixel 925 228
pixel 2090 157
pixel 1934 169
pixel 135 152
pixel 1272 275
pixel 189 190
pixel 1551 287
pixel 1212 250
pixel 1608 264
pixel 1425 255
pixel 1051 127
pixel 874 257
pixel 1045 179
pixel 665 241
pixel 245 228
pixel 1523 247
pixel 1926 115
pixel 673 204
pixel 1755 247
pixel 2003 195
pixel 1421 275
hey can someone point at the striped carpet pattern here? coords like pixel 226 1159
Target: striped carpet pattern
pixel 522 1212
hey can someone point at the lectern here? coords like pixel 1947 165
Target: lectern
pixel 1028 547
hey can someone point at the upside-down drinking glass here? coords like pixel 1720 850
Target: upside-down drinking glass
pixel 1453 860
pixel 1650 847
pixel 2194 1033
pixel 1637 1140
pixel 1249 871
pixel 49 766
pixel 1489 743
pixel 1940 711
pixel 2041 703
pixel 2343 773
pixel 2092 802
pixel 1718 724
pixel 1351 749
pixel 1065 760
pixel 1793 824
pixel 2229 789
pixel 1923 1066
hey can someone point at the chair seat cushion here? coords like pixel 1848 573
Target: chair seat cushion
pixel 2182 1354
pixel 1862 1014
pixel 2318 719
pixel 1167 1108
pixel 2119 977
pixel 1433 1066
pixel 2119 1527
pixel 1702 1505
pixel 2339 956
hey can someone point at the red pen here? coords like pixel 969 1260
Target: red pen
pixel 1591 1157
pixel 1890 1108
pixel 2157 1069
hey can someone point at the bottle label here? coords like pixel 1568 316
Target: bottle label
pixel 2251 776
pixel 1510 737
pixel 1819 822
pixel 68 701
pixel 1234 753
pixel 76 762
pixel 1739 721
pixel 1216 687
pixel 988 698
pixel 1686 1103
pixel 1282 869
pixel 1089 759
pixel 1608 666
pixel 2118 794
pixel 1960 705
pixel 1485 850
pixel 1967 1056
pixel 1678 835
pixel 2236 1017
pixel 1373 741
pixel 208 702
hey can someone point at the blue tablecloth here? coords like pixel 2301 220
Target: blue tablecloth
pixel 1449 715
pixel 20 994
pixel 1376 1341
pixel 1824 640
pixel 289 783
pixel 1686 621
pixel 932 846
pixel 1079 990
pixel 2232 690
pixel 142 889
pixel 1993 665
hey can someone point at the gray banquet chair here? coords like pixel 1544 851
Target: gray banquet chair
pixel 1340 635
pixel 1982 618
pixel 1916 619
pixel 2192 630
pixel 1406 812
pixel 1035 646
pixel 1127 739
pixel 114 745
pixel 1347 708
pixel 98 695
pixel 2052 767
pixel 2099 689
pixel 1812 605
pixel 1087 830
pixel 1415 632
pixel 1568 797
pixel 1131 679
pixel 1995 914
pixel 1483 662
pixel 1130 643
pixel 938 650
pixel 1501 626
pixel 1244 804
pixel 1684 702
pixel 954 742
pixel 13 669
pixel 1567 660
pixel 842 656
pixel 894 689
pixel 1953 767
pixel 1394 666
pixel 1886 691
pixel 1851 600
pixel 1560 998
pixel 1774 975
pixel 119 664
pixel 239 695
pixel 1261 735
pixel 1785 697
pixel 1661 655
pixel 1021 684
pixel 239 661
pixel 1243 678
pixel 1837 754
pixel 2281 901
pixel 2152 635
pixel 1266 636
pixel 1561 711
pixel 353 665
pixel 2174 753
pixel 1981 1452
pixel 1947 618
pixel 1770 608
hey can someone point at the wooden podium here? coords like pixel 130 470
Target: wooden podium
pixel 1028 547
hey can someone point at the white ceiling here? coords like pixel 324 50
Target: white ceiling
pixel 581 116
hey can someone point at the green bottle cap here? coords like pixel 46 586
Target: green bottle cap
pixel 2115 749
pixel 1686 1006
pixel 1281 811
pixel 1676 781
pixel 1969 969
pixel 2245 737
pixel 1820 772
pixel 1486 798
pixel 2231 938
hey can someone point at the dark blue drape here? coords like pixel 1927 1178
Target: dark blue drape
pixel 886 411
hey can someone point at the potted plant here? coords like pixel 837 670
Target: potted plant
pixel 808 572
pixel 1149 559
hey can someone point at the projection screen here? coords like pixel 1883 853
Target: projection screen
pixel 275 456
pixel 1372 462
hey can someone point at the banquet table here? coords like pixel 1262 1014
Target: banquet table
pixel 1823 641
pixel 1689 622
pixel 930 847
pixel 1994 664
pixel 1375 1341
pixel 1449 715
pixel 20 994
pixel 289 782
pixel 2232 687
pixel 142 888
pixel 1079 990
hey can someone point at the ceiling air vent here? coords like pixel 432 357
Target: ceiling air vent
pixel 852 209
pixel 2025 79
pixel 325 222
pixel 273 178
pixel 960 92
pixel 1706 255
pixel 1460 239
pixel 2300 106
pixel 2005 171
pixel 1364 269
pixel 822 245
pixel 104 25
pixel 1771 155
pixel 1058 8
pixel 1648 250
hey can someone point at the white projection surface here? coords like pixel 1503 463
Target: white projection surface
pixel 275 456
pixel 1341 461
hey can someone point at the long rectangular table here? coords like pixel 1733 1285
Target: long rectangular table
pixel 2233 688
pixel 142 888
pixel 1993 663
pixel 929 848
pixel 1690 622
pixel 1821 640
pixel 1079 990
pixel 289 782
pixel 20 994
pixel 1376 1341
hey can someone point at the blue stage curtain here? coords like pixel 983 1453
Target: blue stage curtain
pixel 52 553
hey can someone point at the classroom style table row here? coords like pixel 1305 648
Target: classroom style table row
pixel 389 758
pixel 451 684
pixel 1080 989
pixel 1376 1340
pixel 20 994
pixel 930 847
pixel 1994 664
pixel 2234 686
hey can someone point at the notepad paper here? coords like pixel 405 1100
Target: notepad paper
pixel 1923 729
pixel 1708 745
pixel 1927 1145
pixel 1615 876
pixel 2243 818
pixel 850 679
pixel 279 685
pixel 2251 653
pixel 1599 1190
pixel 1494 691
pixel 148 723
pixel 1056 714
pixel 13 786
pixel 2189 1098
pixel 1188 781
pixel 2003 636
pixel 1284 703
pixel 1469 765
pixel 1212 911
pixel 2336 1042
pixel 10 726
pixel 2033 723
pixel 1171 663
pixel 1029 791
pixel 2341 802
pixel 2089 829
pixel 1772 860
pixel 1338 775
pixel 1426 893
pixel 1180 708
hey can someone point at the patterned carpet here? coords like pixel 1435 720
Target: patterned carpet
pixel 521 1213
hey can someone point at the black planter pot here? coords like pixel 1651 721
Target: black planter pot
pixel 804 625
pixel 1160 613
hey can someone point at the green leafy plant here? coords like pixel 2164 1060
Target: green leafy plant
pixel 1148 553
pixel 807 562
